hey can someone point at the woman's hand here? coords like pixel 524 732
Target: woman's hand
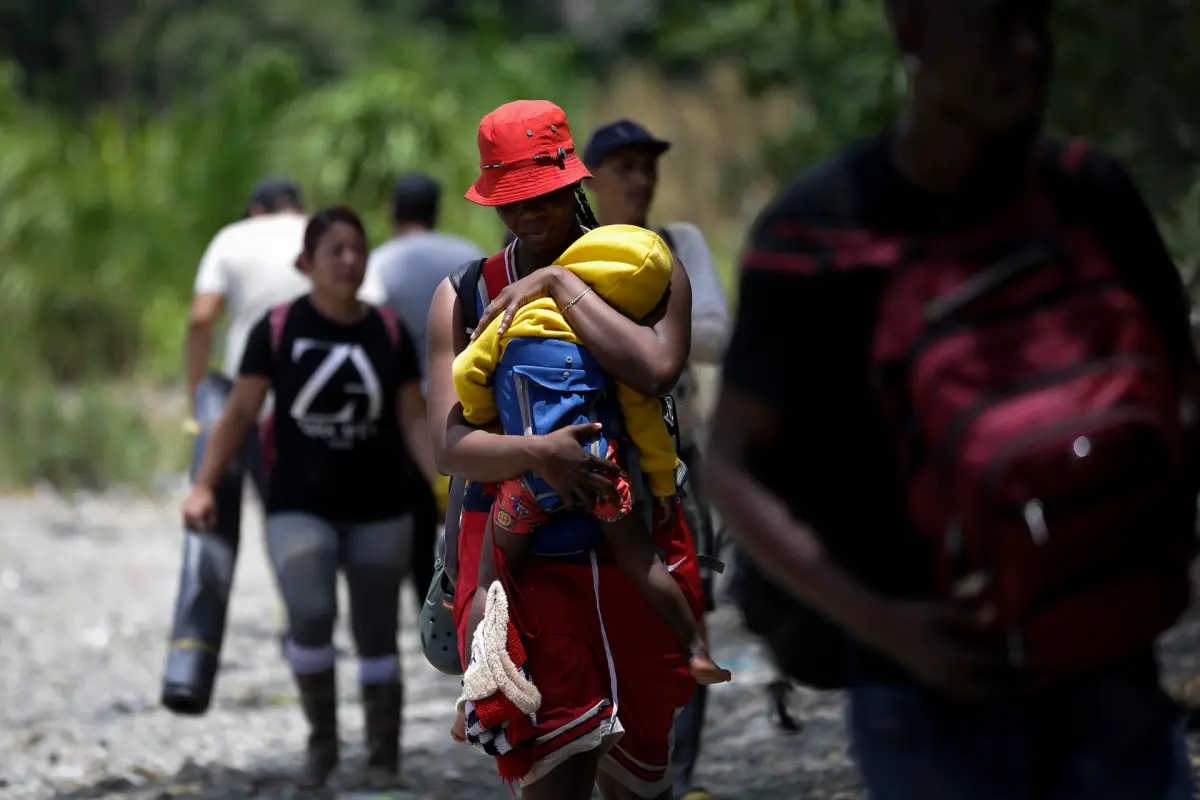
pixel 578 476
pixel 200 509
pixel 519 293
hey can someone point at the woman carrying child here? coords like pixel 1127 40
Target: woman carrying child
pixel 609 674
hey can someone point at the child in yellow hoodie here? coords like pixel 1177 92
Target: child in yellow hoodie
pixel 537 377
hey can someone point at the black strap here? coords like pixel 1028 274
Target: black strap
pixel 466 283
pixel 1033 255
pixel 665 233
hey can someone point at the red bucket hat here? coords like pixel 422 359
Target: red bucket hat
pixel 525 150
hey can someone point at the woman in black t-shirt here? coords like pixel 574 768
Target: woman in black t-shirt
pixel 349 425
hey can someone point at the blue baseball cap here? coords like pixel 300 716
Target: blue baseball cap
pixel 618 136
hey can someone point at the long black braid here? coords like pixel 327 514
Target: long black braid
pixel 583 209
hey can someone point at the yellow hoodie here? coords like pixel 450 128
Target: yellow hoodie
pixel 628 266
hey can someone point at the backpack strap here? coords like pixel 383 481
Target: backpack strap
pixel 476 283
pixel 1073 154
pixel 667 401
pixel 391 324
pixel 665 233
pixel 466 282
pixel 278 319
pixel 1062 164
pixel 495 274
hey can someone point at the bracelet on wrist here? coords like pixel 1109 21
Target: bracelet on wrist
pixel 576 299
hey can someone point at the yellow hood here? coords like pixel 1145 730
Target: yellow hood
pixel 630 267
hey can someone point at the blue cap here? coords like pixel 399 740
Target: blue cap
pixel 617 136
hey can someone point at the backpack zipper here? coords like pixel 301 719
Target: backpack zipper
pixel 521 385
pixel 1033 512
pixel 1034 515
pixel 954 542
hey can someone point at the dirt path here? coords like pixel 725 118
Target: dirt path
pixel 86 591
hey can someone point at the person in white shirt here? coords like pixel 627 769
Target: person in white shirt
pixel 403 273
pixel 623 159
pixel 249 267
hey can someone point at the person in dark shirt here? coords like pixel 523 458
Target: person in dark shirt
pixel 349 416
pixel 803 460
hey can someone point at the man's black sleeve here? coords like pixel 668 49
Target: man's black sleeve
pixel 771 352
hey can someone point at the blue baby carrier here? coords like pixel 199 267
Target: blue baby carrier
pixel 544 385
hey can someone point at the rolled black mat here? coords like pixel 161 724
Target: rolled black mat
pixel 205 581
pixel 206 576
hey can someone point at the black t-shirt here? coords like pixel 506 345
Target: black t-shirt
pixel 339 452
pixel 806 322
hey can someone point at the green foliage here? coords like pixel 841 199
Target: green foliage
pixel 105 221
pixel 106 218
pixel 134 129
pixel 86 439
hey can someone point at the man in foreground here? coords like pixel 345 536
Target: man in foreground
pixel 950 425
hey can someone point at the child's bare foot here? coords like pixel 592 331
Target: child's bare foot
pixel 706 672
pixel 458 731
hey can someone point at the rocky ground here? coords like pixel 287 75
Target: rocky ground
pixel 86 591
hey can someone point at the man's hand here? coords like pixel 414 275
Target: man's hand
pixel 952 646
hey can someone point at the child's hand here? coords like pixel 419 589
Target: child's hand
pixel 458 731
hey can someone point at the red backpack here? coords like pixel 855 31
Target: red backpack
pixel 277 321
pixel 1037 415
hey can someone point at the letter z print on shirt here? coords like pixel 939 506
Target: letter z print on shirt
pixel 330 380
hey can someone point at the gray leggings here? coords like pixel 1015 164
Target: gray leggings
pixel 306 552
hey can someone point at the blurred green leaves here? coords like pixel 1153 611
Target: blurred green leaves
pixel 137 127
pixel 106 219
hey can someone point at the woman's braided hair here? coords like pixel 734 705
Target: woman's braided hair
pixel 583 209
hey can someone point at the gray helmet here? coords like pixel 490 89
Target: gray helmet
pixel 439 637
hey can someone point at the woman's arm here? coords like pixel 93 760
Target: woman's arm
pixel 229 433
pixel 458 448
pixel 648 356
pixel 414 424
pixel 477 455
pixel 710 309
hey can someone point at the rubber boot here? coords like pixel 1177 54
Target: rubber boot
pixel 382 703
pixel 318 698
